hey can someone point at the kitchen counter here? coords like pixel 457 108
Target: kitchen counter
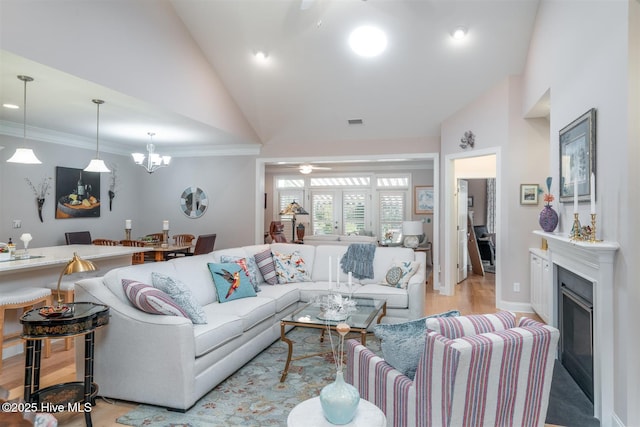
pixel 45 266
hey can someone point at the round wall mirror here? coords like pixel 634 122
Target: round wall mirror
pixel 193 202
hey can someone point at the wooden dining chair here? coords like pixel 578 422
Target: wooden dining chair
pixel 183 239
pixel 105 242
pixel 138 257
pixel 204 245
pixel 180 240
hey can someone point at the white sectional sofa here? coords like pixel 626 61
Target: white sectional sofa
pixel 169 361
pixel 337 239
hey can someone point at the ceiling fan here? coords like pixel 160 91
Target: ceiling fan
pixel 307 168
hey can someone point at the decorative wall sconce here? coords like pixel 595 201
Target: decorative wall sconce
pixel 468 140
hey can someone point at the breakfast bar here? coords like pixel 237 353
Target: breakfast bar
pixel 44 266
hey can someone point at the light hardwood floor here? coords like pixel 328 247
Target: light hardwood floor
pixel 475 295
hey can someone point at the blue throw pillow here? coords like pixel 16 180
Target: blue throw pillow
pixel 230 281
pixel 402 344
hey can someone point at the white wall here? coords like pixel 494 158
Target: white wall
pixel 523 159
pixel 164 68
pixel 581 52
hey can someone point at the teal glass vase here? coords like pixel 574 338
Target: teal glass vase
pixel 339 401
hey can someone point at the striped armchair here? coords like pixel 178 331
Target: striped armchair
pixel 478 370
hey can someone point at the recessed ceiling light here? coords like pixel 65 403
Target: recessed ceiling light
pixel 368 41
pixel 459 33
pixel 11 106
pixel 261 56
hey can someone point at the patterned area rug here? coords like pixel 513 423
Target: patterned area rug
pixel 254 395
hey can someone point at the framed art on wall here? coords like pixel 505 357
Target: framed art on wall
pixel 529 194
pixel 193 202
pixel 423 199
pixel 77 193
pixel 578 156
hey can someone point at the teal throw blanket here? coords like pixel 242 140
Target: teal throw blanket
pixel 359 260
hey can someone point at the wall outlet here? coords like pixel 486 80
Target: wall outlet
pixel 17 223
pixel 516 287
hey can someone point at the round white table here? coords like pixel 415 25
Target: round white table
pixel 309 414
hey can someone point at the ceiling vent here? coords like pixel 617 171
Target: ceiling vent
pixel 355 121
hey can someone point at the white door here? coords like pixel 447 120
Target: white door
pixel 461 207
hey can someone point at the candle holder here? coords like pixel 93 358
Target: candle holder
pixel 127 234
pixel 593 228
pixel 576 231
pixel 165 237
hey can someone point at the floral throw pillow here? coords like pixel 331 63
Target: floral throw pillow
pixel 408 269
pixel 249 267
pixel 291 268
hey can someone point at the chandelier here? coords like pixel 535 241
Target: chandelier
pixel 154 160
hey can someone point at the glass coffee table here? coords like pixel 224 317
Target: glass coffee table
pixel 311 316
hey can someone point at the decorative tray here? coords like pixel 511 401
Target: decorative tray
pixel 333 317
pixel 52 311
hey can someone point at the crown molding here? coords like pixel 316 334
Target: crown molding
pixel 70 140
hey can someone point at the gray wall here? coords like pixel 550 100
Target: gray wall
pixel 146 199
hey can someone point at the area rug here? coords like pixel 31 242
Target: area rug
pixel 254 395
pixel 488 268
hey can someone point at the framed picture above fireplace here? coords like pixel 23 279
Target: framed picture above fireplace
pixel 578 156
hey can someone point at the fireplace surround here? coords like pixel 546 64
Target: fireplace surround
pixel 594 262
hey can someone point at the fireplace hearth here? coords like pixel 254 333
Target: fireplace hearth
pixel 594 262
pixel 576 328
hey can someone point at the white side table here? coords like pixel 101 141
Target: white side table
pixel 309 414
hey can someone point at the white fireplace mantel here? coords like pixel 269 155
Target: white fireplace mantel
pixel 593 261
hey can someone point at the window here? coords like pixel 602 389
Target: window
pixel 392 206
pixel 322 209
pixel 353 212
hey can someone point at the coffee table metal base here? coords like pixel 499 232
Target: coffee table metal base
pixel 284 323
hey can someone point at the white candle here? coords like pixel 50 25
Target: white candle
pixel 575 194
pixel 329 271
pixel 127 224
pixel 338 274
pixel 165 225
pixel 349 275
pixel 593 193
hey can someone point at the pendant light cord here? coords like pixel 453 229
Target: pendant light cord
pixel 98 102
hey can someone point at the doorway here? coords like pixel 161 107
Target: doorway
pixel 480 164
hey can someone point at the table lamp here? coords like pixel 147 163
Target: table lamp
pixel 293 209
pixel 75 265
pixel 411 230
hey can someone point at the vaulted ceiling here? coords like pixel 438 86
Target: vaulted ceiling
pixel 310 85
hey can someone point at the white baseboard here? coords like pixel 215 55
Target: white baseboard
pixel 519 307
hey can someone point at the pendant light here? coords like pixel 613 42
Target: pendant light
pixel 24 155
pixel 97 165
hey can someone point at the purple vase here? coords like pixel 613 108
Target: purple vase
pixel 548 219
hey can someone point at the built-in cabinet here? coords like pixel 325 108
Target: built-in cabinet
pixel 541 283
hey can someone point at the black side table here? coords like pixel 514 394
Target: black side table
pixel 83 319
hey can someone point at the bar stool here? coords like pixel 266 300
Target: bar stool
pixel 26 299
